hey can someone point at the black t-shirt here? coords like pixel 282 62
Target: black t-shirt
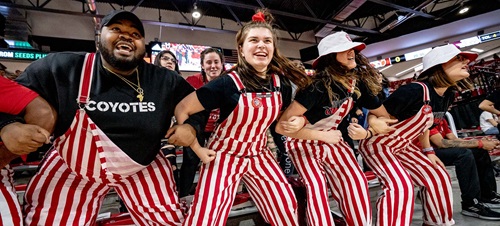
pixel 222 93
pixel 315 99
pixel 407 100
pixel 136 127
pixel 495 98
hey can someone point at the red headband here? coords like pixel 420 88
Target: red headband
pixel 259 17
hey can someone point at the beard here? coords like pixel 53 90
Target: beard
pixel 121 64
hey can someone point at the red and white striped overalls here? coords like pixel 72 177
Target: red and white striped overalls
pixel 240 143
pixel 84 164
pixel 317 161
pixel 399 164
pixel 10 211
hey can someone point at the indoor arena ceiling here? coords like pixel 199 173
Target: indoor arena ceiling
pixel 370 20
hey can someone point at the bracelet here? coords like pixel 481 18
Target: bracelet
pixel 480 143
pixel 367 132
pixel 429 149
pixel 430 153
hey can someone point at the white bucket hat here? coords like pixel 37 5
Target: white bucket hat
pixel 336 43
pixel 443 54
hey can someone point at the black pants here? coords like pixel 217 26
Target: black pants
pixel 474 171
pixel 190 164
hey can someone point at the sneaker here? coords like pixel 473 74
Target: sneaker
pixel 493 203
pixel 479 210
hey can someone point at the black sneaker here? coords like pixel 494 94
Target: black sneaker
pixel 493 203
pixel 479 210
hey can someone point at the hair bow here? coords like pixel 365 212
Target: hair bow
pixel 259 17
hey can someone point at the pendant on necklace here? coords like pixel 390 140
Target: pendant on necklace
pixel 140 94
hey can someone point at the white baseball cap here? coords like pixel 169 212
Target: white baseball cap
pixel 443 54
pixel 336 43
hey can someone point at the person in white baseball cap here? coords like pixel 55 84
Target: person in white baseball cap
pixel 343 76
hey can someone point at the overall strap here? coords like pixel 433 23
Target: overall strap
pixel 237 81
pixel 427 96
pixel 86 79
pixel 276 82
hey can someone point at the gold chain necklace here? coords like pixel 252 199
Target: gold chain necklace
pixel 137 87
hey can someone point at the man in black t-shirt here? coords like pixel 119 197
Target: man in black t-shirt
pixel 492 105
pixel 123 109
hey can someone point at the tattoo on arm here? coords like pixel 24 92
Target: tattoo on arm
pixel 459 143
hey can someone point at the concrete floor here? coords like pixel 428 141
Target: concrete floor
pixel 460 219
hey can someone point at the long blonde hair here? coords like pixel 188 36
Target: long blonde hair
pixel 279 64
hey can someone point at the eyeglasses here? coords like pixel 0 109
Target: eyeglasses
pixel 166 58
pixel 461 58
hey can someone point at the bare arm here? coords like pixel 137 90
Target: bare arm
pixel 492 122
pixel 296 110
pixel 188 106
pixel 380 120
pixel 489 106
pixel 185 135
pixel 24 138
pixel 425 142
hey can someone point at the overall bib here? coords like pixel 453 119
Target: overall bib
pixel 318 162
pixel 10 210
pixel 399 164
pixel 84 164
pixel 241 154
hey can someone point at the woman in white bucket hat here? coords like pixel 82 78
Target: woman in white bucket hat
pixel 342 77
pixel 398 163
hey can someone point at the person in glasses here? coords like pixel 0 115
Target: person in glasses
pixel 167 59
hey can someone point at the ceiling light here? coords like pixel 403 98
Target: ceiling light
pixel 464 10
pixel 477 50
pixel 196 13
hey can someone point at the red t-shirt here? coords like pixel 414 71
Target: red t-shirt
pixel 441 128
pixel 195 80
pixel 14 97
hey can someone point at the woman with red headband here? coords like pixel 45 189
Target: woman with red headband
pixel 250 98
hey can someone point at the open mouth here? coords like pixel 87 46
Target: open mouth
pixel 260 54
pixel 350 58
pixel 124 47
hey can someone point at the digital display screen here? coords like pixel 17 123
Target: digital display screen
pixel 188 56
